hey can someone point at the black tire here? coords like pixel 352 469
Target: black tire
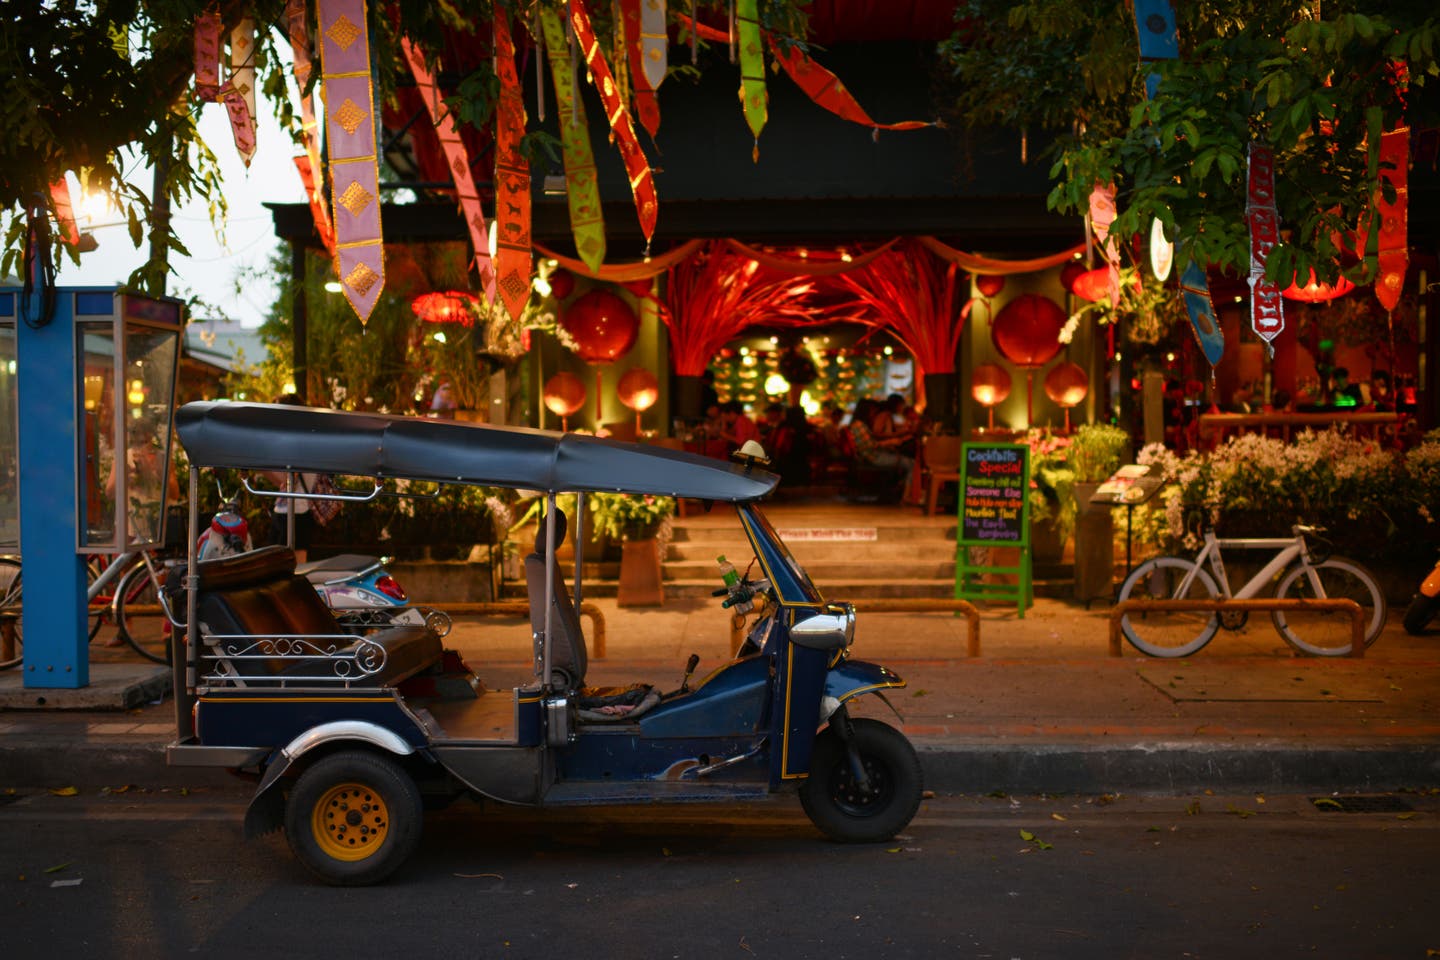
pixel 353 818
pixel 1168 633
pixel 1329 634
pixel 10 603
pixel 150 635
pixel 1419 614
pixel 830 797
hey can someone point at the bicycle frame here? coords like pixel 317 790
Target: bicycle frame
pixel 1289 549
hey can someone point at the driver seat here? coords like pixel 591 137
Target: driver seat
pixel 567 646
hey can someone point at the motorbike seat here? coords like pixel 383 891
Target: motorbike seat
pixel 567 646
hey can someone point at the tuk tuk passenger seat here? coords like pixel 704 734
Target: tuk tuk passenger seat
pixel 567 647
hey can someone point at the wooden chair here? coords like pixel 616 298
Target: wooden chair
pixel 940 460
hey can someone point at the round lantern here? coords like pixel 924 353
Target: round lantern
pixel 602 325
pixel 1092 285
pixel 638 390
pixel 1067 384
pixel 989 385
pixel 564 394
pixel 562 284
pixel 1070 273
pixel 1027 333
pixel 452 306
pixel 989 284
pixel 1314 291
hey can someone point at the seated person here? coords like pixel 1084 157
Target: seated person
pixel 878 452
pixel 1343 392
pixel 735 427
pixel 1382 394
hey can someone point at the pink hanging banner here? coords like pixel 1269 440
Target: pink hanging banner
pixel 512 178
pixel 209 89
pixel 1394 257
pixel 459 161
pixel 350 133
pixel 298 30
pixel 1267 309
pixel 642 182
pixel 1102 214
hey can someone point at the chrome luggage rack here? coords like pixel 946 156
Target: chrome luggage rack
pixel 338 658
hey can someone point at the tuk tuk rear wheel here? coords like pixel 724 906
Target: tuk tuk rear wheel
pixel 354 818
pixel 834 801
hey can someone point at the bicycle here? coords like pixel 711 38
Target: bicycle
pixel 1304 572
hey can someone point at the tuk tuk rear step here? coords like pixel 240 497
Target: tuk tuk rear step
pixel 583 793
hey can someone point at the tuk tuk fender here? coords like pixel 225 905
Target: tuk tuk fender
pixel 1430 586
pixel 266 811
pixel 851 678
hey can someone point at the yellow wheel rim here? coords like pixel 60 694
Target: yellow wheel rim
pixel 350 822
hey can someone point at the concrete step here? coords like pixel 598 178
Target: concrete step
pixel 836 590
pixel 856 568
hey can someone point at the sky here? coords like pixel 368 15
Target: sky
pixel 215 262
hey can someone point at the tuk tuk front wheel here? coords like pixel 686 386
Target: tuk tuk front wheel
pixel 837 803
pixel 354 818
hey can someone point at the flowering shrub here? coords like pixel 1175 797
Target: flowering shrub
pixel 629 516
pixel 1373 501
pixel 1051 480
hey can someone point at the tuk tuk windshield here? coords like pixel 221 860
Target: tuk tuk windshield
pixel 790 579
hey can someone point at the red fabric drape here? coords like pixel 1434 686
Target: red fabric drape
pixel 626 272
pixel 828 266
pixel 978 264
pixel 918 298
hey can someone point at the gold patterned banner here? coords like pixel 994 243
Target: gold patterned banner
pixel 642 182
pixel 582 189
pixel 350 133
pixel 642 47
pixel 512 178
pixel 752 70
pixel 242 80
pixel 458 159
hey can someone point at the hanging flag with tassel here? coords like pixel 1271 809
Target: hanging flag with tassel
pixel 298 30
pixel 512 179
pixel 826 90
pixel 654 42
pixel 458 159
pixel 209 89
pixel 582 188
pixel 1394 255
pixel 1196 290
pixel 633 19
pixel 242 79
pixel 752 71
pixel 350 134
pixel 1102 214
pixel 64 211
pixel 1267 309
pixel 642 182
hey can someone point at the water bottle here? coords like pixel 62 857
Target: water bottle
pixel 728 573
pixel 739 599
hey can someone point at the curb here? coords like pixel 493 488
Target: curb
pixel 1170 768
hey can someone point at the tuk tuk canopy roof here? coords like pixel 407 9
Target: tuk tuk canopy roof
pixel 259 436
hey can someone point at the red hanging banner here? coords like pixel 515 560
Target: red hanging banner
pixel 317 203
pixel 639 46
pixel 1394 257
pixel 459 161
pixel 823 87
pixel 512 178
pixel 64 211
pixel 1102 214
pixel 1267 309
pixel 642 182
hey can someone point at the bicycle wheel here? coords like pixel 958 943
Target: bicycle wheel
pixel 10 602
pixel 1326 633
pixel 1168 633
pixel 149 634
pixel 100 603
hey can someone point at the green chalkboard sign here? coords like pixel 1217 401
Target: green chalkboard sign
pixel 994 494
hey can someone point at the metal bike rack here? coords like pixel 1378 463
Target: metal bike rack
pixel 1259 604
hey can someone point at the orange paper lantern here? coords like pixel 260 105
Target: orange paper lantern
pixel 1067 385
pixel 638 390
pixel 1313 291
pixel 603 326
pixel 1092 285
pixel 452 306
pixel 989 284
pixel 1027 331
pixel 1070 273
pixel 564 394
pixel 990 385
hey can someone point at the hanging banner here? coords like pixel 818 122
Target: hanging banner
pixel 642 182
pixel 242 80
pixel 823 87
pixel 298 31
pixel 1394 257
pixel 1267 309
pixel 638 47
pixel 458 159
pixel 752 70
pixel 654 42
pixel 512 179
pixel 64 211
pixel 1102 214
pixel 209 89
pixel 350 134
pixel 582 188
pixel 317 204
pixel 1196 289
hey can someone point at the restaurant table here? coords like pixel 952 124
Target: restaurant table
pixel 1215 427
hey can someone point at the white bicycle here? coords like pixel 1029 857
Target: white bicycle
pixel 1305 569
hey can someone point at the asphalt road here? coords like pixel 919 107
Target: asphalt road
pixel 138 874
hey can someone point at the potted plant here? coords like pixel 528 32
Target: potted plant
pixel 1052 500
pixel 1096 451
pixel 642 523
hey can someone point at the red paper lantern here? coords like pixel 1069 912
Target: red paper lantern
pixel 452 306
pixel 989 284
pixel 1070 273
pixel 603 326
pixel 564 394
pixel 638 389
pixel 1067 384
pixel 562 284
pixel 1313 291
pixel 1092 285
pixel 1027 331
pixel 989 384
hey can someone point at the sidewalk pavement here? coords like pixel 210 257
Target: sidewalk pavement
pixel 1044 708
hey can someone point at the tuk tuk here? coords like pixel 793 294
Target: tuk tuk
pixel 350 731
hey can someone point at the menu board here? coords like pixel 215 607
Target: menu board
pixel 994 489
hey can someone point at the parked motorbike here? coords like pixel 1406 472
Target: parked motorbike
pixel 1425 604
pixel 361 592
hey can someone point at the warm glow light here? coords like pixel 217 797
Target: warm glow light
pixel 1314 291
pixel 136 396
pixel 809 404
pixel 289 388
pixel 438 336
pixel 889 351
pixel 1093 285
pixel 333 286
pixel 776 385
pixel 541 285
pixel 1162 251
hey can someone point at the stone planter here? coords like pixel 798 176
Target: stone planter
pixel 1094 546
pixel 641 578
pixel 1046 545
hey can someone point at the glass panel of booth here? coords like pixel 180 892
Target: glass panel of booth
pixel 9 431
pixel 97 432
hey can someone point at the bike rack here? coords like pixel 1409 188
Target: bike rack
pixel 1259 604
pixel 930 605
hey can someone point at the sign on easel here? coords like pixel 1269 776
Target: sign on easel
pixel 994 512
